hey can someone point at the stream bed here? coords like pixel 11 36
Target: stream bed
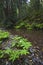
pixel 36 51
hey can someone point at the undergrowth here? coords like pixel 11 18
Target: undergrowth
pixel 29 26
pixel 3 34
pixel 19 47
pixel 20 42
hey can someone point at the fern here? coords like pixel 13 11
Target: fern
pixel 3 34
pixel 13 52
pixel 21 42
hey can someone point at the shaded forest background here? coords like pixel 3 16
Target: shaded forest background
pixel 14 11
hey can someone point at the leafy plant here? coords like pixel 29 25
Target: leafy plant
pixel 0 41
pixel 18 48
pixel 21 42
pixel 20 25
pixel 29 26
pixel 3 34
pixel 13 54
pixel 40 26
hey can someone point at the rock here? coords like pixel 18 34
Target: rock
pixel 32 50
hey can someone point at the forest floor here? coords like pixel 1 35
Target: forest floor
pixel 36 37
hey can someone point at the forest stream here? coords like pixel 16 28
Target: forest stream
pixel 36 56
pixel 21 32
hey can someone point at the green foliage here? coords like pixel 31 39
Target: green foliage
pixel 29 26
pixel 13 54
pixel 21 42
pixel 3 34
pixel 35 4
pixel 0 41
pixel 37 26
pixel 1 53
pixel 40 26
pixel 20 25
pixel 18 48
pixel 11 15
